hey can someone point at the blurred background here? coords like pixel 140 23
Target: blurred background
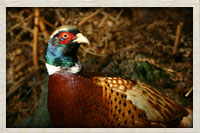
pixel 154 45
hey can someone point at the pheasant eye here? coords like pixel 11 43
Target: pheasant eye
pixel 64 36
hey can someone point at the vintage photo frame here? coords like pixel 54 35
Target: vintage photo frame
pixel 102 3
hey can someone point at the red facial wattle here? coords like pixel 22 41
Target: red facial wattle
pixel 65 37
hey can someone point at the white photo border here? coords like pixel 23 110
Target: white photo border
pixel 102 3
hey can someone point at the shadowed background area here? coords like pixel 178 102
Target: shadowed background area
pixel 154 45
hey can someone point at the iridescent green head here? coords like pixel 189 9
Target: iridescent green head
pixel 63 46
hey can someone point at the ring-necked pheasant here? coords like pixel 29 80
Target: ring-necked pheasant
pixel 80 99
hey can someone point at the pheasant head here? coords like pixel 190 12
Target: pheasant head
pixel 62 50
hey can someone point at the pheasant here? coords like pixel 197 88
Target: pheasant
pixel 82 99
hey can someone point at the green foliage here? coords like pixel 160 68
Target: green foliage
pixel 144 71
pixel 41 118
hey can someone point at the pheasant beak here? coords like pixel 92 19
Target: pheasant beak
pixel 79 38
